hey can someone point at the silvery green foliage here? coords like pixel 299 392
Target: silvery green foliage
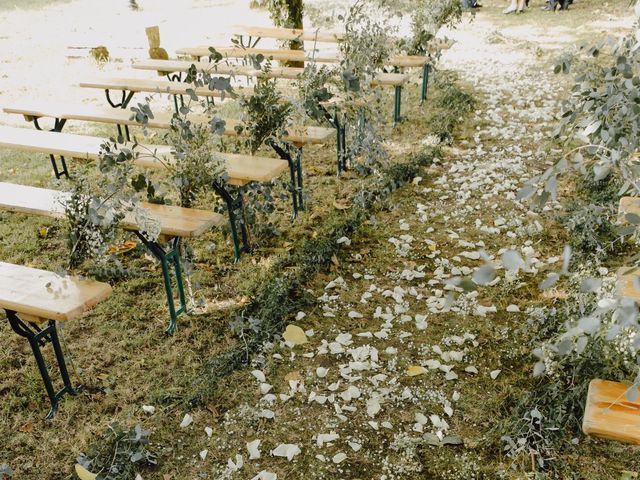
pixel 98 203
pixel 603 113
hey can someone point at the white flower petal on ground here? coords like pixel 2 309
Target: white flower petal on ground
pixel 150 409
pixel 355 446
pixel 203 454
pixel 494 374
pixel 259 376
pixel 208 431
pixel 264 475
pixel 254 449
pixel 323 438
pixel 288 450
pixel 186 421
pixel 321 372
pixel 339 457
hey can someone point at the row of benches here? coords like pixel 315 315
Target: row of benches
pixel 35 300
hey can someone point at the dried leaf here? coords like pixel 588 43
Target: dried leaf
pixel 295 335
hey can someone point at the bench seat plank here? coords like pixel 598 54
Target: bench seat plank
pixel 610 414
pixel 290 73
pixel 149 86
pixel 174 221
pixel 300 135
pixel 45 295
pixel 625 284
pixel 290 34
pixel 242 169
pixel 409 61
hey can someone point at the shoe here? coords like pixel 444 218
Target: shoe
pixel 477 5
pixel 509 10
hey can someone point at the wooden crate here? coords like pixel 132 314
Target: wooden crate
pixel 609 414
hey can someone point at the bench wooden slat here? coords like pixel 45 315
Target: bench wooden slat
pixel 609 414
pixel 319 36
pixel 409 61
pixel 174 221
pixel 242 169
pixel 40 294
pixel 625 283
pixel 289 73
pixel 148 86
pixel 290 34
pixel 299 135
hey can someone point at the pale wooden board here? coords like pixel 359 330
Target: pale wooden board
pixel 409 61
pixel 289 34
pixel 241 168
pixel 174 221
pixel 319 36
pixel 609 414
pixel 45 295
pixel 162 120
pixel 290 73
pixel 629 205
pixel 147 86
pixel 625 287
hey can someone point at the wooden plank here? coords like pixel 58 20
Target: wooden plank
pixel 174 221
pixel 42 294
pixel 625 284
pixel 609 414
pixel 300 135
pixel 290 73
pixel 409 61
pixel 319 36
pixel 290 34
pixel 147 86
pixel 241 169
pixel 629 205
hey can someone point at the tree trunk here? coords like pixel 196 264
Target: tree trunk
pixel 295 15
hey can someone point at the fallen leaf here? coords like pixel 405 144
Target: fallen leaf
pixel 26 428
pixel 84 474
pixel 295 335
pixel 415 370
pixel 295 375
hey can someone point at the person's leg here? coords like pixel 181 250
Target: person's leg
pixel 512 8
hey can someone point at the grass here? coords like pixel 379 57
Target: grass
pixel 29 4
pixel 127 362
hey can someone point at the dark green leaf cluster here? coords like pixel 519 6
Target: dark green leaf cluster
pixel 120 454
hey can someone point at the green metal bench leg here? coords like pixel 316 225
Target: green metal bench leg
pixel 166 259
pixel 397 115
pixel 59 171
pixel 234 204
pixel 295 173
pixel 425 82
pixel 39 338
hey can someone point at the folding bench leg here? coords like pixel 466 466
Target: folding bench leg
pixel 397 116
pixel 59 171
pixel 233 205
pixel 126 135
pixel 166 258
pixel 59 124
pixel 425 82
pixel 124 102
pixel 39 338
pixel 295 172
pixel 341 143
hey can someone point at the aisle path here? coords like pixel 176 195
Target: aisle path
pixel 393 364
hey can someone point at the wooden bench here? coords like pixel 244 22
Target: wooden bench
pixel 241 169
pixel 130 86
pixel 285 55
pixel 396 80
pixel 297 135
pixel 278 33
pixel 175 224
pixel 610 414
pixel 34 300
